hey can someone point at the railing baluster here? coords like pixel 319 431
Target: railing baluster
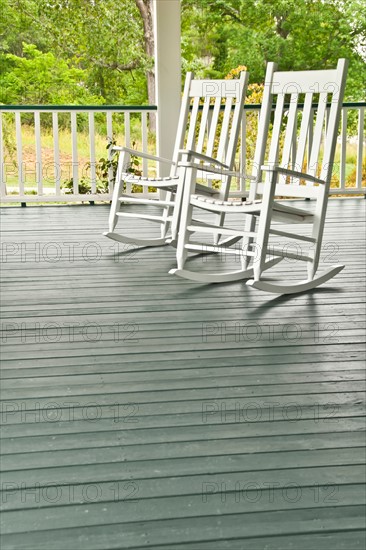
pixel 2 160
pixel 127 129
pixel 343 151
pixel 39 170
pixel 243 151
pixel 310 135
pixel 144 141
pixel 109 125
pixel 75 164
pixel 18 131
pixel 360 138
pixel 93 174
pixel 110 154
pixel 294 146
pixel 56 153
pixel 127 141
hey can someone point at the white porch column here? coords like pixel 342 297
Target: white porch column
pixel 167 75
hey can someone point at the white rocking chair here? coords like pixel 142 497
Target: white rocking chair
pixel 207 134
pixel 306 140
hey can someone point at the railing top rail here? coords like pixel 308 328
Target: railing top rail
pixel 354 104
pixel 78 108
pixel 349 104
pixel 136 108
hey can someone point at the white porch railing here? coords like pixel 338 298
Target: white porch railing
pixel 51 154
pixel 35 165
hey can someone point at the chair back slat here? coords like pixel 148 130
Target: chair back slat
pixel 203 125
pixel 317 135
pixel 190 144
pixel 304 135
pixel 276 131
pixel 213 126
pixel 237 118
pixel 289 134
pixel 224 130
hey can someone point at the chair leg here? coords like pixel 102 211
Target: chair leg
pixel 118 184
pixel 175 223
pixel 312 267
pixel 317 232
pixel 247 241
pixel 264 225
pixel 184 217
pixel 220 223
pixel 310 270
pixel 167 212
pixel 183 238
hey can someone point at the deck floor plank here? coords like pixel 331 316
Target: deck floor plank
pixel 144 411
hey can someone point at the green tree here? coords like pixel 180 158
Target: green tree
pixel 111 41
pixel 105 38
pixel 297 34
pixel 38 78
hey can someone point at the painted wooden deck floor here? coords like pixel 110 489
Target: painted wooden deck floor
pixel 144 411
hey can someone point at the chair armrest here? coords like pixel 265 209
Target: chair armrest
pixel 219 171
pixel 142 154
pixel 200 156
pixel 292 173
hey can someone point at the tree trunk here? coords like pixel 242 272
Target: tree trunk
pixel 146 10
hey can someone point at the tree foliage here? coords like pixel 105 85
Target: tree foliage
pixel 41 78
pixel 297 34
pixel 78 51
pixel 102 37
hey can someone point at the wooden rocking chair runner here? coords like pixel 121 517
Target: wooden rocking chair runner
pixel 207 136
pixel 306 141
